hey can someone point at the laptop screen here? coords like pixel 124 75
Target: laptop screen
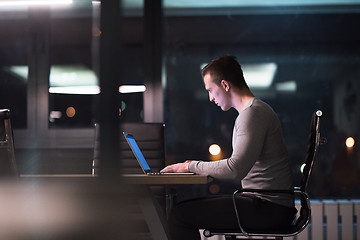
pixel 135 148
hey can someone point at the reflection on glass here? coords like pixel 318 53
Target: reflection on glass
pixel 73 90
pixel 291 59
pixel 13 81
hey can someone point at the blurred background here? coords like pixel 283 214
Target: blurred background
pixel 298 56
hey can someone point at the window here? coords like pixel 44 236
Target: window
pixel 14 47
pixel 313 57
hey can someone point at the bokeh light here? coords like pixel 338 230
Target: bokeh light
pixel 96 32
pixel 302 167
pixel 122 107
pixel 70 112
pixel 214 188
pixel 214 149
pixel 350 142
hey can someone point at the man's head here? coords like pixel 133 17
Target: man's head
pixel 225 68
pixel 220 75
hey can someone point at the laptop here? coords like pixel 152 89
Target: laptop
pixel 141 159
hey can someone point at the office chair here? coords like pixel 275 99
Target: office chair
pixel 8 163
pixel 150 138
pixel 305 209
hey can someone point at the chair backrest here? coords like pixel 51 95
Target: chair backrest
pixel 313 144
pixel 150 138
pixel 8 166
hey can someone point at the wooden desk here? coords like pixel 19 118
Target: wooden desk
pixel 131 178
pixel 165 179
pixel 153 214
pixel 54 176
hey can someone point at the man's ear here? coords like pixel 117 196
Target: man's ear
pixel 225 84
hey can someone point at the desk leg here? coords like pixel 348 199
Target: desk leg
pixel 153 214
pixel 171 199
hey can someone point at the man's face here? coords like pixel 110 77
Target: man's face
pixel 217 93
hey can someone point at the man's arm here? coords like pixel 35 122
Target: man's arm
pixel 249 134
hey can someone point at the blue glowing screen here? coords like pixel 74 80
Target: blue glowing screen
pixel 138 152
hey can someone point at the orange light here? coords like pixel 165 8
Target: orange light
pixel 350 142
pixel 96 32
pixel 214 149
pixel 70 112
pixel 214 188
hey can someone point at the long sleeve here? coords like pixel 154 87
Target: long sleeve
pixel 259 157
pixel 248 139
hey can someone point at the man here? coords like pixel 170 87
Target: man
pixel 259 160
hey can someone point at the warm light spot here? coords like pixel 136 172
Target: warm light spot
pixel 350 142
pixel 96 32
pixel 70 112
pixel 214 149
pixel 214 188
pixel 302 167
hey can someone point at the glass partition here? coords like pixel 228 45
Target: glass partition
pixel 305 58
pixel 297 56
pixel 73 82
pixel 14 46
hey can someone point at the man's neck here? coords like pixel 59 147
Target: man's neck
pixel 241 99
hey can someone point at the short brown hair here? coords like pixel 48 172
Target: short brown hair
pixel 225 68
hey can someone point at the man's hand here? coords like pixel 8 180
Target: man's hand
pixel 177 167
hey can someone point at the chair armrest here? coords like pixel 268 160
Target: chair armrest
pixel 264 190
